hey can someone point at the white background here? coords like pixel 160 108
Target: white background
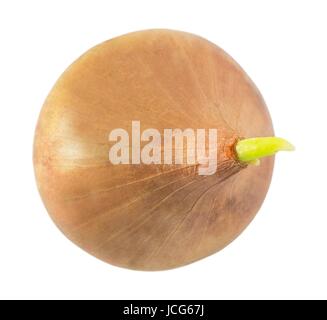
pixel 283 47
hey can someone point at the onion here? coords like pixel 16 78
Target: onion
pixel 153 216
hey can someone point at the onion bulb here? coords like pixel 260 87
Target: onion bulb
pixel 153 215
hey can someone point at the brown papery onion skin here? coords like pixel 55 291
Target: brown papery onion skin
pixel 150 217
